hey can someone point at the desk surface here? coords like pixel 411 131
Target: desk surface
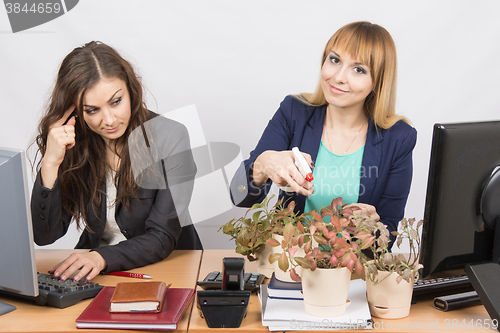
pixel 423 316
pixel 180 269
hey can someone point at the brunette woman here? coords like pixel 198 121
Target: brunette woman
pixel 87 173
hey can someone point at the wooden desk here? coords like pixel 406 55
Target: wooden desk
pixel 423 316
pixel 180 269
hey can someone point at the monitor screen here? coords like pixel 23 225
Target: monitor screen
pixel 463 156
pixel 17 259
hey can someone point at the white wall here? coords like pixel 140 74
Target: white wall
pixel 236 60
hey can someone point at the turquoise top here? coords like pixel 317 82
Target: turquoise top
pixel 335 176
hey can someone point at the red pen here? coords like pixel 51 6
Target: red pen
pixel 132 275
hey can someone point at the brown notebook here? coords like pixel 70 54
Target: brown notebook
pixel 138 296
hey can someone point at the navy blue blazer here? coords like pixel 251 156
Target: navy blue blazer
pixel 386 170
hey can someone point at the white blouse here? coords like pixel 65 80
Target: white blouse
pixel 112 234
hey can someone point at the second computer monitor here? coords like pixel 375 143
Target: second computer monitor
pixel 463 158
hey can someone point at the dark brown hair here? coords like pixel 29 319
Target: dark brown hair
pixel 82 173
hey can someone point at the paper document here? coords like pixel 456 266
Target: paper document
pixel 290 315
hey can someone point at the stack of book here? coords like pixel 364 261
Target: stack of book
pixel 283 309
pixel 136 305
pixel 284 290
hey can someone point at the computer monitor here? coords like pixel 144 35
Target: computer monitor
pixel 463 197
pixel 17 257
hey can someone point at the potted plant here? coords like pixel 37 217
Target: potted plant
pixel 250 233
pixel 390 276
pixel 285 218
pixel 329 256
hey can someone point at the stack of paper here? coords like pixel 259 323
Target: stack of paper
pixel 289 314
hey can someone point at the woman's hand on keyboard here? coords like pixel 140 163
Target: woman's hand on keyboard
pixel 90 263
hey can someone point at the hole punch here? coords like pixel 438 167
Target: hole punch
pixel 226 307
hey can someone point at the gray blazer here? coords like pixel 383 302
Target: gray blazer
pixel 158 219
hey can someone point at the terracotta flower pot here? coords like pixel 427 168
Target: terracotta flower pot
pixel 388 299
pixel 325 291
pixel 263 265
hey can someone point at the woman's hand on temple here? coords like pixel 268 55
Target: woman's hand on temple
pixel 363 209
pixel 60 138
pixel 91 263
pixel 279 166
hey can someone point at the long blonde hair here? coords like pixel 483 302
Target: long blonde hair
pixel 372 45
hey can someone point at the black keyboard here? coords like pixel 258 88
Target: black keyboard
pixel 441 286
pixel 214 281
pixel 61 294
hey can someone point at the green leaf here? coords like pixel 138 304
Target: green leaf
pixel 256 206
pixel 399 241
pixel 359 267
pixel 295 277
pixel 242 239
pixel 301 241
pixel 256 215
pixel 288 232
pixel 312 230
pixel 342 243
pixel 414 234
pixel 320 240
pixel 362 235
pixel 350 265
pixel 336 223
pixel 336 202
pixel 316 216
pixel 326 212
pixel 345 259
pixel 274 257
pixel 283 263
pixel 243 250
pixel 420 223
pixel 367 242
pixel 272 242
pixel 307 247
pixel 334 261
pixel 303 262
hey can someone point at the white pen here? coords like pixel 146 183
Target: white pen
pixel 301 163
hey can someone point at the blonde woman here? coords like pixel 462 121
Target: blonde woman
pixel 348 131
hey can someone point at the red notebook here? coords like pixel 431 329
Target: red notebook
pixel 97 314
